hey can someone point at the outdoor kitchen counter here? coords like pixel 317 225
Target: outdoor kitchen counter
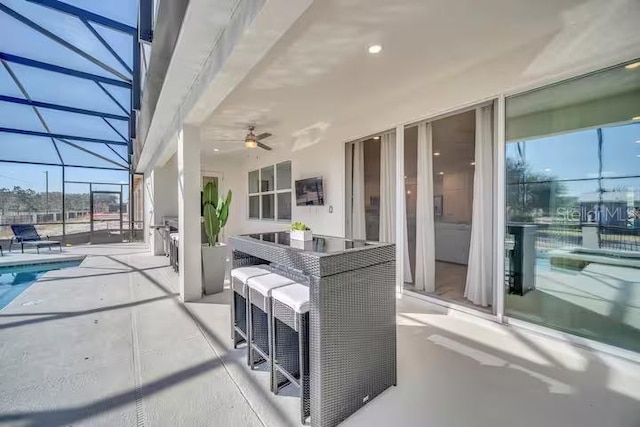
pixel 352 314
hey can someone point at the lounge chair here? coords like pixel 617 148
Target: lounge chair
pixel 27 235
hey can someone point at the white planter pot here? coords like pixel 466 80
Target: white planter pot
pixel 214 268
pixel 305 235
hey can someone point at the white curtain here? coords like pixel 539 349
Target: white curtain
pixel 388 198
pixel 425 230
pixel 358 220
pixel 388 188
pixel 479 286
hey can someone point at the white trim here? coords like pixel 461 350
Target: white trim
pixel 574 340
pixel 499 209
pixel 348 186
pixel 400 212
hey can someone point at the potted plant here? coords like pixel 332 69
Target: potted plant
pixel 214 254
pixel 300 231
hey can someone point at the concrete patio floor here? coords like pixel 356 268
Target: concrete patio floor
pixel 108 343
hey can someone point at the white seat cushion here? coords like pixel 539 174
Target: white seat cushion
pixel 295 296
pixel 245 273
pixel 267 283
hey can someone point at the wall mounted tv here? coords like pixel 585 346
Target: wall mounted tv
pixel 309 192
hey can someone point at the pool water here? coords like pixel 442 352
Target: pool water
pixel 15 279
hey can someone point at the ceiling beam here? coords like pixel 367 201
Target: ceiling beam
pixel 85 14
pixel 60 136
pixel 28 22
pixel 58 107
pixel 62 70
pixel 21 162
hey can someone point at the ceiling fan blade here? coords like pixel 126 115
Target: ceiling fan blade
pixel 263 136
pixel 264 147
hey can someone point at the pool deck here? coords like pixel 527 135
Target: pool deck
pixel 108 343
pixel 45 256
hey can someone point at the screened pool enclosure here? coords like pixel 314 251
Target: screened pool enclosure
pixel 69 89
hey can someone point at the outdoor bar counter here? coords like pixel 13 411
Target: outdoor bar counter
pixel 352 326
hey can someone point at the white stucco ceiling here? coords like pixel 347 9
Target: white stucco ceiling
pixel 318 84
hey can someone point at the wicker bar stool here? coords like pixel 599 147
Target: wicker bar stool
pixel 239 278
pixel 174 240
pixel 259 313
pixel 290 342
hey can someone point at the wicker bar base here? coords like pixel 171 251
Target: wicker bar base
pixel 352 321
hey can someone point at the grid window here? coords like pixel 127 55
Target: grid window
pixel 270 192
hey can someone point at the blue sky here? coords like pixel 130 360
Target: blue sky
pixel 574 156
pixel 16 38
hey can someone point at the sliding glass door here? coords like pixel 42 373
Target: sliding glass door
pixel 449 199
pixel 573 206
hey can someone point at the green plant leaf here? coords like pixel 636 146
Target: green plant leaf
pixel 210 193
pixel 211 224
pixel 224 211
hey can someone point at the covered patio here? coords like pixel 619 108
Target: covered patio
pixel 109 343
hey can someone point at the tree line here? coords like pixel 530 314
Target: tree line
pixel 18 199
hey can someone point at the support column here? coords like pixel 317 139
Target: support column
pixel 400 208
pixel 190 255
pixel 149 217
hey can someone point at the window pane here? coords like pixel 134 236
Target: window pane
pixel 268 206
pixel 284 205
pixel 578 149
pixel 284 175
pixel 573 207
pixel 266 179
pixel 621 150
pixel 254 178
pixel 254 207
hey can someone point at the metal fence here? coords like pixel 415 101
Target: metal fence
pixel 620 238
pixel 557 236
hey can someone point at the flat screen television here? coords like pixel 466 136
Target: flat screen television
pixel 309 192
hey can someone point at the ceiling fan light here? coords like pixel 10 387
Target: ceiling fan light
pixel 250 141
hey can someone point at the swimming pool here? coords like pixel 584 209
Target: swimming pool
pixel 16 278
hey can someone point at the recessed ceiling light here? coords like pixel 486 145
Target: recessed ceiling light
pixel 632 66
pixel 408 191
pixel 375 48
pixel 437 153
pixel 547 170
pixel 472 163
pixel 441 173
pixel 376 137
pixel 216 149
pixel 635 118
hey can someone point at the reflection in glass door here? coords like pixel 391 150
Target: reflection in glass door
pixel 572 212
